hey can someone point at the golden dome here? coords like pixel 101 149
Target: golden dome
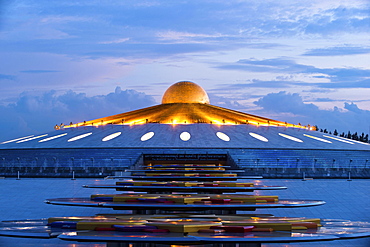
pixel 185 92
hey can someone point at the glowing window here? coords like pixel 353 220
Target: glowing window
pixel 185 136
pixel 79 137
pixel 14 140
pixel 259 137
pixel 317 138
pixel 52 137
pixel 223 136
pixel 33 138
pixel 334 138
pixel 147 136
pixel 290 137
pixel 111 136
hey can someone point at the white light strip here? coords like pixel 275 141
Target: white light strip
pixel 223 136
pixel 147 136
pixel 33 138
pixel 79 137
pixel 14 140
pixel 317 138
pixel 343 138
pixel 111 136
pixel 52 137
pixel 259 137
pixel 334 138
pixel 290 137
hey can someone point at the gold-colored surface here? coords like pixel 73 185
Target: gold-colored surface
pixel 185 92
pixel 185 103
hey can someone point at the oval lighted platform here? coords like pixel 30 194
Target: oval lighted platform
pixel 86 202
pixel 188 189
pixel 183 178
pixel 330 230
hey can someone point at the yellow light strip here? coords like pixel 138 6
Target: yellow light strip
pixel 317 138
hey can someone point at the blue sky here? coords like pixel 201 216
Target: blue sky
pixel 295 61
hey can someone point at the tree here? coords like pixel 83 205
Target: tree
pixel 366 138
pixel 362 137
pixel 342 135
pixel 335 132
pixel 349 135
pixel 355 136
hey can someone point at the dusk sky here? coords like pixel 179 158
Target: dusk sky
pixel 304 61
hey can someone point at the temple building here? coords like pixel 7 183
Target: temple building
pixel 185 126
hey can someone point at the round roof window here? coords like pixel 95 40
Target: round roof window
pixel 223 136
pixel 147 136
pixel 185 136
pixel 258 137
pixel 111 136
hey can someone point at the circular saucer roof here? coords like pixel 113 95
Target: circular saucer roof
pixel 185 119
pixel 185 92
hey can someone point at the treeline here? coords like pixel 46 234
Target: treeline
pixel 355 136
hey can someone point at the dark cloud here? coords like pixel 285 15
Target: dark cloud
pixel 324 100
pixel 337 51
pixel 32 114
pixel 39 71
pixel 7 77
pixel 295 110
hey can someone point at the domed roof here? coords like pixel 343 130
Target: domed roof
pixel 185 92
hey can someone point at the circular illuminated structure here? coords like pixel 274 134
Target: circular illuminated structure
pixel 184 123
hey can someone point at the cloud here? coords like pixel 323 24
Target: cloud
pixel 39 71
pixel 32 114
pixel 285 102
pixel 7 77
pixel 338 77
pixel 295 110
pixel 114 29
pixel 337 51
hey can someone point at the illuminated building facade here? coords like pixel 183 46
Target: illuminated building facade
pixel 185 123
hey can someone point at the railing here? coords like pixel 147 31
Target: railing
pixel 298 163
